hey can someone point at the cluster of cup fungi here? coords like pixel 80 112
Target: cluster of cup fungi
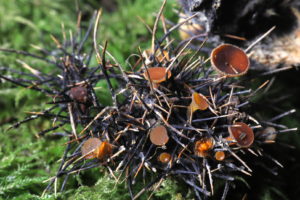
pixel 173 113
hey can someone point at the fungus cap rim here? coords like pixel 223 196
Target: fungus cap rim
pixel 159 135
pixel 154 72
pixel 237 50
pixel 242 128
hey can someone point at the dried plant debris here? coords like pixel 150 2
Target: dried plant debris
pixel 179 116
pixel 242 22
pixel 71 83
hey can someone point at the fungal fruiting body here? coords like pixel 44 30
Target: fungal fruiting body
pixel 230 60
pixel 157 75
pixel 159 135
pixel 220 155
pixel 242 133
pixel 104 150
pixel 199 102
pixel 89 148
pixel 203 146
pixel 95 148
pixel 79 94
pixel 164 157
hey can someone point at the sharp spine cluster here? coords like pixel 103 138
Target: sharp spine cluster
pixel 173 115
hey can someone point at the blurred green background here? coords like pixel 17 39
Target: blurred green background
pixel 27 161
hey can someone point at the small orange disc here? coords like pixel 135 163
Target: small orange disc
pixel 104 150
pixel 164 157
pixel 220 155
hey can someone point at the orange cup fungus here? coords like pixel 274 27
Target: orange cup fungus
pixel 164 157
pixel 157 74
pixel 199 102
pixel 159 135
pixel 203 146
pixel 230 60
pixel 242 134
pixel 95 148
pixel 104 150
pixel 220 155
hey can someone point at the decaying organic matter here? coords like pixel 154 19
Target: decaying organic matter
pixel 171 116
pixel 242 22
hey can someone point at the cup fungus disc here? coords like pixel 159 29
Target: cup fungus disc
pixel 104 150
pixel 242 133
pixel 79 94
pixel 203 146
pixel 220 155
pixel 89 146
pixel 164 157
pixel 157 74
pixel 229 60
pixel 200 101
pixel 159 135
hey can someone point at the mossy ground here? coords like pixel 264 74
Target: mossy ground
pixel 27 161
